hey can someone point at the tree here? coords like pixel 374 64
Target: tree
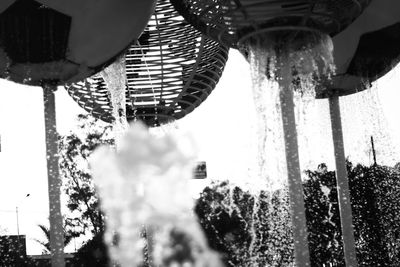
pixel 11 252
pixel 323 220
pixel 46 243
pixel 82 201
pixel 248 229
pixel 251 229
pixel 93 253
pixel 388 203
pixel 374 193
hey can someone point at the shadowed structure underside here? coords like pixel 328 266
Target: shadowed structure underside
pixel 230 20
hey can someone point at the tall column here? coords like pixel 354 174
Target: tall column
pixel 302 255
pixel 54 181
pixel 346 217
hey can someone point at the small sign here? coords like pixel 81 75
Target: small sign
pixel 200 171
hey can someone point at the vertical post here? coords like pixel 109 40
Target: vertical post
pixel 302 255
pixel 373 150
pixel 54 181
pixel 149 242
pixel 16 212
pixel 342 184
pixel 19 242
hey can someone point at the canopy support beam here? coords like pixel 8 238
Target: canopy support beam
pixel 296 192
pixel 343 190
pixel 54 180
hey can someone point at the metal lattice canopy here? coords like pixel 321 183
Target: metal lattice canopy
pixel 170 71
pixel 231 20
pixel 366 34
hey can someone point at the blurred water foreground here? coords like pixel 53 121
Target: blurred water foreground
pixel 143 186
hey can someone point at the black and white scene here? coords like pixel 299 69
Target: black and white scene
pixel 199 133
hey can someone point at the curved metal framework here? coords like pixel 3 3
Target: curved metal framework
pixel 170 72
pixel 228 21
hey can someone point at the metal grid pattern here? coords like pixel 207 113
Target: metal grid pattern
pixel 170 71
pixel 229 20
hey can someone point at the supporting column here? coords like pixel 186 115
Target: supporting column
pixel 149 243
pixel 302 255
pixel 342 184
pixel 54 181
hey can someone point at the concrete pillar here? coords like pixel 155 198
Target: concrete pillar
pixel 54 181
pixel 346 217
pixel 302 255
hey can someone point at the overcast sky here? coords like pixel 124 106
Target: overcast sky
pixel 223 126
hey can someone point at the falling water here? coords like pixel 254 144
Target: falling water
pixel 307 57
pixel 250 214
pixel 363 117
pixel 145 182
pixel 310 59
pixel 115 78
pixel 314 133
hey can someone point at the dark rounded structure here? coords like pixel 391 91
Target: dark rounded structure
pixel 365 33
pixel 366 50
pixel 58 41
pixel 170 72
pixel 230 21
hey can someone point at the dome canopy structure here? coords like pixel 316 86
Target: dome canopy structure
pixel 230 21
pixel 56 41
pixel 366 34
pixel 170 72
pixel 367 49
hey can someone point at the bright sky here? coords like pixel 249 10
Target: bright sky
pixel 223 127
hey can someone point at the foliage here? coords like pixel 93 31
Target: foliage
pixel 388 196
pixel 82 201
pixel 231 216
pixel 46 243
pixel 14 258
pixel 92 253
pixel 12 252
pixel 244 227
pixel 374 194
pixel 323 220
